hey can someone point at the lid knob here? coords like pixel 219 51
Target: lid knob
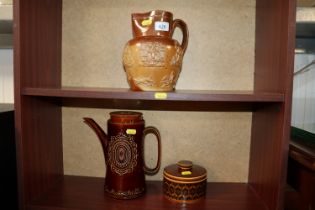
pixel 184 165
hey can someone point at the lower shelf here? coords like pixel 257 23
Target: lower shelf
pixel 76 192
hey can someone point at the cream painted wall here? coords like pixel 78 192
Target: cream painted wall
pixel 220 56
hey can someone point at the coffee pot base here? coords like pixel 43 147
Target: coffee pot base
pixel 124 195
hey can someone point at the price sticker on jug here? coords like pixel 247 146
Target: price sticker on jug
pixel 161 26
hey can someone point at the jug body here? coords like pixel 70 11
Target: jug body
pixel 152 59
pixel 152 64
pixel 123 151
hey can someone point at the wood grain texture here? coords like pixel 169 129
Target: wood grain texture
pixel 179 95
pixel 39 147
pixel 39 50
pixel 180 100
pixel 275 34
pixel 302 180
pixel 265 167
pixel 76 192
pixel 37 63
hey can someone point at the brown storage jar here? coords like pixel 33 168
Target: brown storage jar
pixel 184 182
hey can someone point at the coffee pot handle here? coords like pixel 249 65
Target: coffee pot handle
pixel 153 130
pixel 183 27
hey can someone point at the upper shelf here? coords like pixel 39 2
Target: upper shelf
pixel 178 95
pixel 180 100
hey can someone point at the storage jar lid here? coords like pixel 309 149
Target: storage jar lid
pixel 185 172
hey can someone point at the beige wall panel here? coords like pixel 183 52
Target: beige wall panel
pixel 220 55
pixel 218 141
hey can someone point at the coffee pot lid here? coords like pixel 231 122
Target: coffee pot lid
pixel 125 116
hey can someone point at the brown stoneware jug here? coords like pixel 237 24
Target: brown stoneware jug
pixel 152 59
pixel 123 151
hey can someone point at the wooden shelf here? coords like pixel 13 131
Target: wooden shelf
pixel 178 95
pixel 180 100
pixel 75 192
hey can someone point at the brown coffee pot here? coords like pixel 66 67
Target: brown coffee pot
pixel 123 151
pixel 152 59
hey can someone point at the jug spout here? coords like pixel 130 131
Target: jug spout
pixel 99 132
pixel 149 23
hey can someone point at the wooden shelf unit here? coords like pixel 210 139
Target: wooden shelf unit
pixel 39 98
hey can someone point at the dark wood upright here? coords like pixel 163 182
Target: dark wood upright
pixel 39 98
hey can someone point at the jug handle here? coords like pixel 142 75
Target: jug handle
pixel 153 130
pixel 183 27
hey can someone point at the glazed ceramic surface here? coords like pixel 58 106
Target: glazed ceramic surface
pixel 184 182
pixel 152 59
pixel 123 151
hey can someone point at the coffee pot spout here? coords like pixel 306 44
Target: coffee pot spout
pixel 102 136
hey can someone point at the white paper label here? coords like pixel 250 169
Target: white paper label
pixel 161 26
